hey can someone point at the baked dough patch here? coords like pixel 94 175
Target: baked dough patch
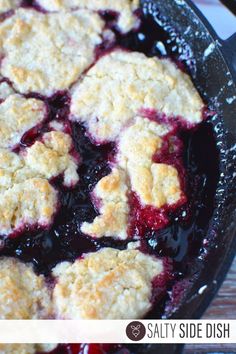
pixel 125 9
pixel 27 197
pixel 24 295
pixel 123 84
pixel 111 195
pixel 155 184
pixel 108 284
pixel 45 53
pixel 17 116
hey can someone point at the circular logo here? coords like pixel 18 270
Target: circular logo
pixel 135 331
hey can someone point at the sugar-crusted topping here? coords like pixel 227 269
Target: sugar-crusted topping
pixel 108 284
pixel 110 194
pixel 17 115
pixel 26 195
pixel 7 5
pixel 24 294
pixel 125 8
pixel 65 48
pixel 126 83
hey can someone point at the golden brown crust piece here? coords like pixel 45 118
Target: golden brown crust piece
pixel 125 8
pixel 126 83
pixel 155 184
pixel 65 48
pixel 108 284
pixel 24 294
pixel 26 195
pixel 111 195
pixel 17 116
pixel 134 170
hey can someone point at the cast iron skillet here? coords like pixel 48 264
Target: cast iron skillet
pixel 215 78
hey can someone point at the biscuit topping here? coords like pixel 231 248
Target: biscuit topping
pixel 51 157
pixel 65 48
pixel 108 284
pixel 17 115
pixel 26 195
pixel 24 294
pixel 96 148
pixel 111 195
pixel 125 9
pixel 127 84
pixel 155 184
pixel 27 203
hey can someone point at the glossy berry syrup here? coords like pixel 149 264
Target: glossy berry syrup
pixel 176 233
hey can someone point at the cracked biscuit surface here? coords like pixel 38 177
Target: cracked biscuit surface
pixel 111 196
pixel 140 141
pixel 155 184
pixel 51 157
pixel 127 83
pixel 26 195
pixel 125 9
pixel 45 53
pixel 108 284
pixel 17 116
pixel 24 294
pixel 7 5
pixel 44 159
pixel 31 202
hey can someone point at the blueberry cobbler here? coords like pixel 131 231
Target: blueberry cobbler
pixel 102 192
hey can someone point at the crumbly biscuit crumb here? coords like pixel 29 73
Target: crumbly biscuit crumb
pixel 125 9
pixel 51 157
pixel 111 195
pixel 17 116
pixel 28 203
pixel 127 83
pixel 108 284
pixel 24 295
pixel 155 184
pixel 65 48
pixel 26 196
pixel 134 170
